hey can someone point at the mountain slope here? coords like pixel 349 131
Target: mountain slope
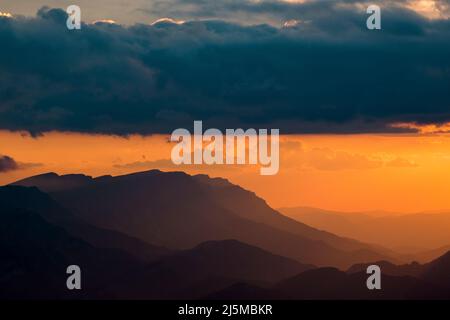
pixel 35 255
pixel 249 206
pixel 234 259
pixel 51 182
pixel 207 268
pixel 413 269
pixel 180 211
pixel 436 272
pixel 423 231
pixel 14 197
pixel 411 281
pixel 329 283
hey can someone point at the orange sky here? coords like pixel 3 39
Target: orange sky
pixel 407 173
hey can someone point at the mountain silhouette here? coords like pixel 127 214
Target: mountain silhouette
pixel 179 211
pixel 37 246
pixel 330 283
pixel 226 243
pixel 435 272
pixel 30 198
pixel 35 255
pixel 333 284
pixel 207 268
pixel 245 291
pixel 438 271
pixel 236 260
pixel 415 235
pixel 51 182
pixel 411 281
pixel 413 269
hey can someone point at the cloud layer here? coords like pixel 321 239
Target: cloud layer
pixel 7 164
pixel 326 73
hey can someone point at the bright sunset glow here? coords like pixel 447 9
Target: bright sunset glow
pixel 429 8
pixel 406 173
pixel 215 150
pixel 5 14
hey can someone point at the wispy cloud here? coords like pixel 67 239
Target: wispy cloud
pixel 432 128
pixel 7 164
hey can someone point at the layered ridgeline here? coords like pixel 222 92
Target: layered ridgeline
pixel 419 236
pixel 179 211
pixel 40 237
pixel 398 282
pixel 36 253
pixel 37 202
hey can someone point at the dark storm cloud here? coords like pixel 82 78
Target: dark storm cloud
pixel 327 74
pixel 7 164
pixel 278 11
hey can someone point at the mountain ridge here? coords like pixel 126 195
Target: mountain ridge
pixel 415 236
pixel 142 205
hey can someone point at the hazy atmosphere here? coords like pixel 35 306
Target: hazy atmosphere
pixel 224 150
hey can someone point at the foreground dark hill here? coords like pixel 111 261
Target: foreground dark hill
pixel 207 268
pixel 234 260
pixel 34 255
pixel 413 269
pixel 436 272
pixel 334 284
pixel 404 282
pixel 16 197
pixel 35 252
pixel 180 211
